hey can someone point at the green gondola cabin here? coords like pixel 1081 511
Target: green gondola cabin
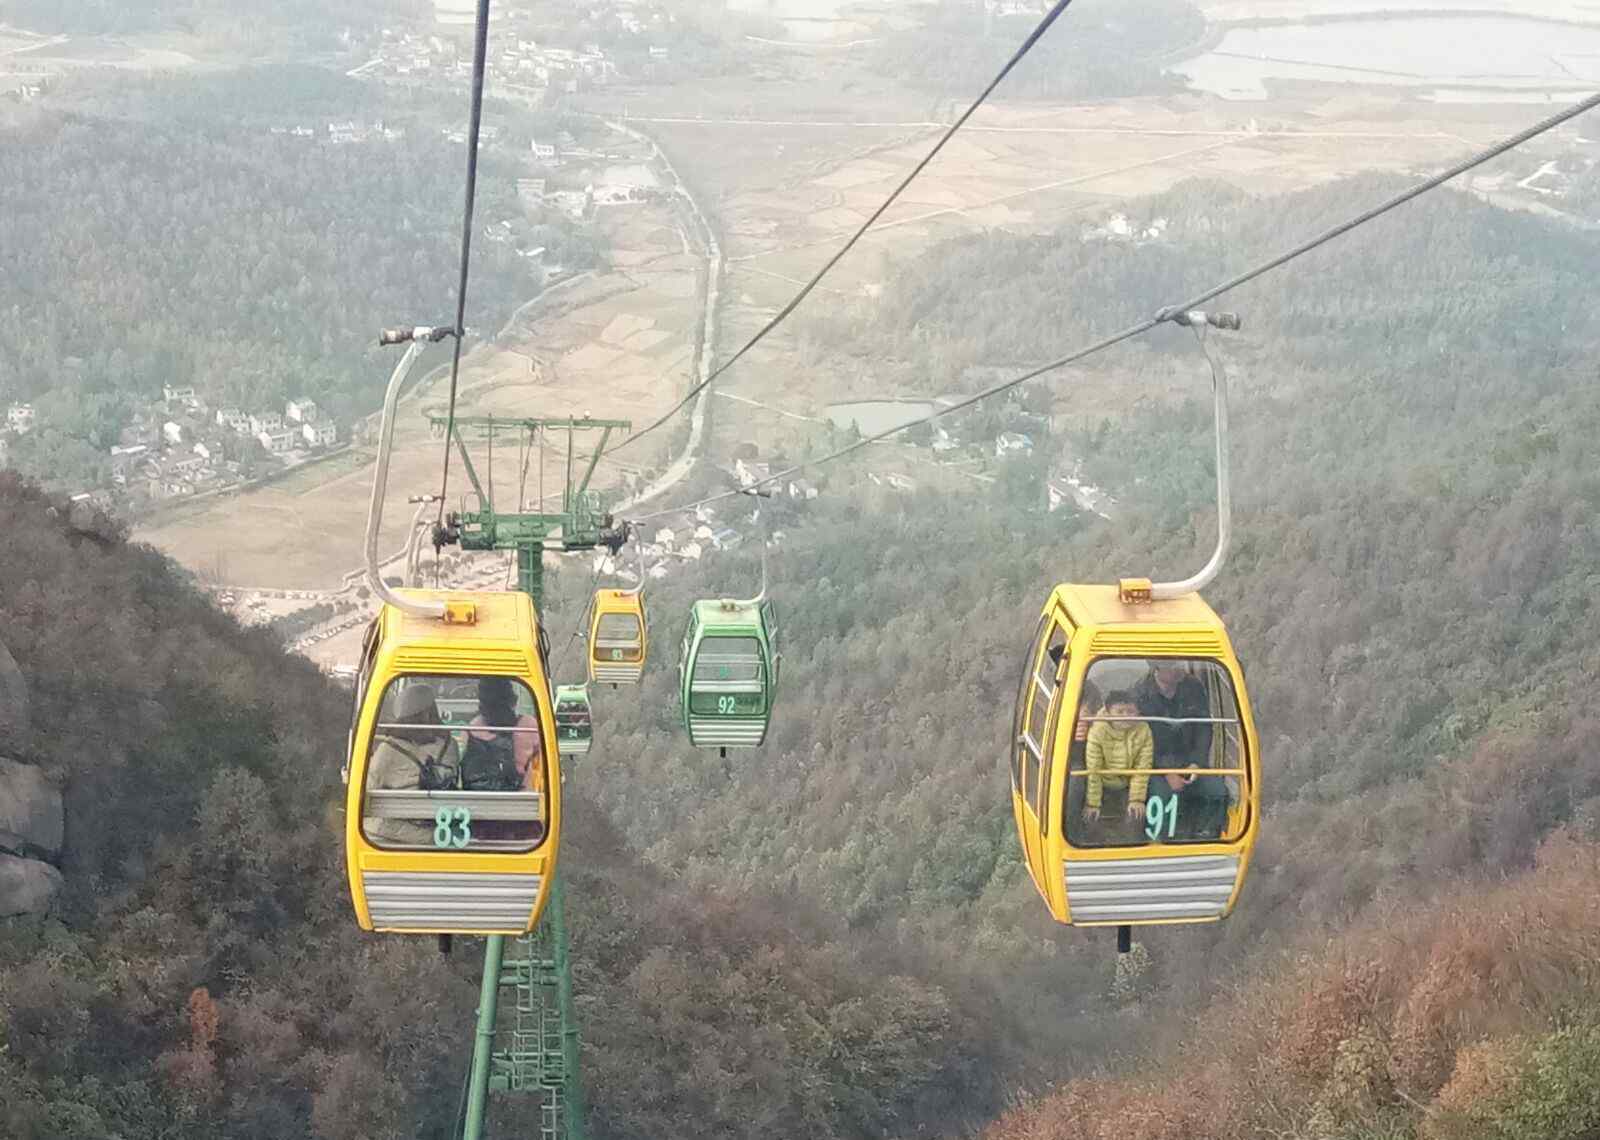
pixel 729 672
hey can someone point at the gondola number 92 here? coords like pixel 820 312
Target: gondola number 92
pixel 727 705
pixel 1162 811
pixel 452 827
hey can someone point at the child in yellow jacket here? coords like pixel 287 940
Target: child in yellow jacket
pixel 1118 757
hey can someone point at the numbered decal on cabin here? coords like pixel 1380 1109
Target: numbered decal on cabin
pixel 452 827
pixel 727 705
pixel 1159 812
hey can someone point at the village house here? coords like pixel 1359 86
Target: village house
pixel 323 434
pixel 175 395
pixel 664 537
pixel 266 422
pixel 278 441
pixel 803 489
pixel 691 551
pixel 233 419
pixel 301 411
pixel 172 434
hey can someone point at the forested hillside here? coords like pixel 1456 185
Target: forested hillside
pixel 1116 49
pixel 1411 585
pixel 161 233
pixel 298 24
pixel 204 977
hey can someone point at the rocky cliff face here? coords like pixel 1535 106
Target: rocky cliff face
pixel 32 822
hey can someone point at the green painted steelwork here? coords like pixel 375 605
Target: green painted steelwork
pixel 537 1053
pixel 483 1035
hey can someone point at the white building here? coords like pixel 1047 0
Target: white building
pixel 803 489
pixel 276 442
pixel 172 433
pixel 750 473
pixel 323 434
pixel 664 537
pixel 301 412
pixel 266 422
pixel 692 551
pixel 233 419
pixel 202 451
pixel 169 393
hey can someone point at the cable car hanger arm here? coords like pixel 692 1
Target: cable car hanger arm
pixel 414 339
pixel 1199 321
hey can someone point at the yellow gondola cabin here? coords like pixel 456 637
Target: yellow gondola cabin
pixel 619 637
pixel 453 804
pixel 1135 770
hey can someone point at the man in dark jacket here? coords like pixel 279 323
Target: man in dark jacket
pixel 1169 690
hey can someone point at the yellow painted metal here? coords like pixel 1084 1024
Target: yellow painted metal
pixel 617 660
pixel 503 640
pixel 1099 623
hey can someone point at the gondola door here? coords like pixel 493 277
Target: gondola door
pixel 1032 740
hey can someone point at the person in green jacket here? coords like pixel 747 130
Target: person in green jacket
pixel 1118 757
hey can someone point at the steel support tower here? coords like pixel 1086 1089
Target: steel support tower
pixel 534 1050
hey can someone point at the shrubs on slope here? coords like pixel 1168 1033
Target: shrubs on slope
pixel 1467 1018
pixel 205 977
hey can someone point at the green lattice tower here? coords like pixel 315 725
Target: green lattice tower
pixel 536 1054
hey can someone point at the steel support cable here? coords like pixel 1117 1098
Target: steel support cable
pixel 480 51
pixel 581 624
pixel 1171 312
pixel 1034 36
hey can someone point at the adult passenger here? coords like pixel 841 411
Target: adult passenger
pixel 1170 691
pixel 420 756
pixel 497 709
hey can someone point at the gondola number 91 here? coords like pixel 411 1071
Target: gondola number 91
pixel 1162 811
pixel 452 827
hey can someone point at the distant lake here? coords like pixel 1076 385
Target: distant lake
pixel 1461 58
pixel 873 416
pixel 805 21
